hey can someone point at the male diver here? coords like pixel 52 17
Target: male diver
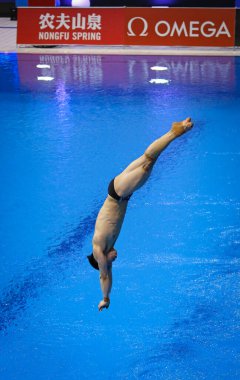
pixel 111 215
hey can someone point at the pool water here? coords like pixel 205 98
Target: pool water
pixel 68 125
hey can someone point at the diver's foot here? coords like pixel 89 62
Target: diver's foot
pixel 179 128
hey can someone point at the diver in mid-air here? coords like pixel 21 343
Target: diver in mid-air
pixel 110 218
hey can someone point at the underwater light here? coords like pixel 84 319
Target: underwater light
pixel 159 68
pixel 40 66
pixel 159 81
pixel 45 78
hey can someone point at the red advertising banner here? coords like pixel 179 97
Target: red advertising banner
pixel 127 26
pixel 70 26
pixel 180 26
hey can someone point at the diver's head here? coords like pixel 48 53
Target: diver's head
pixel 93 261
pixel 111 256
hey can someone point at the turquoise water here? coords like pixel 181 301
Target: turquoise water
pixel 174 310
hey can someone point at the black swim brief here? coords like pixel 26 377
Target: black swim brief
pixel 114 195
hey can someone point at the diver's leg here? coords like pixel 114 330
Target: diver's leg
pixel 137 173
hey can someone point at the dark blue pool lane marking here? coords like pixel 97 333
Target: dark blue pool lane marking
pixel 76 238
pixel 17 296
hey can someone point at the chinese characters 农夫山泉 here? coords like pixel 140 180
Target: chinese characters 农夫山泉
pixel 91 22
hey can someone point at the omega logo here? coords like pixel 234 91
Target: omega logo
pixel 145 27
pixel 190 29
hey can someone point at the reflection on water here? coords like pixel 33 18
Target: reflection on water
pixel 96 70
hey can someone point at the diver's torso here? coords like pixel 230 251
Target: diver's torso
pixel 109 222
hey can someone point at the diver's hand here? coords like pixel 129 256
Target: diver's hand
pixel 104 304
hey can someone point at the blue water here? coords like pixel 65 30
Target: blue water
pixel 174 310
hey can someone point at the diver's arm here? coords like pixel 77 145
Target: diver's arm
pixel 105 277
pixel 106 285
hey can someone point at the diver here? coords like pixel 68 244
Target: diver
pixel 111 215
